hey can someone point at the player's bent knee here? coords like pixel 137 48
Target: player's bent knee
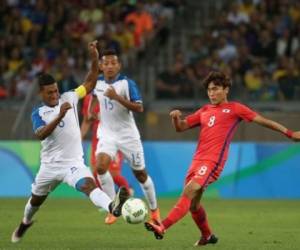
pixel 36 200
pixel 85 185
pixel 141 175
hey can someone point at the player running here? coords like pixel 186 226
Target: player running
pixel 55 123
pixel 118 97
pixel 218 121
pixel 91 120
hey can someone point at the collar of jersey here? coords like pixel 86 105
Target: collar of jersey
pixel 117 78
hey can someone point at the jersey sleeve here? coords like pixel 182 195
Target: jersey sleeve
pixel 244 112
pixel 70 96
pixel 134 93
pixel 37 121
pixel 194 120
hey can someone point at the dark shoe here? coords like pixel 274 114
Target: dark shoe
pixel 20 231
pixel 211 240
pixel 115 206
pixel 157 228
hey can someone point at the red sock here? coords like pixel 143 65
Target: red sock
pixel 121 181
pixel 178 211
pixel 201 221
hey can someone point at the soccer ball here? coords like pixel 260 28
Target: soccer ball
pixel 134 211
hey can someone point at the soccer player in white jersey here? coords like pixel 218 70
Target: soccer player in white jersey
pixel 118 97
pixel 56 124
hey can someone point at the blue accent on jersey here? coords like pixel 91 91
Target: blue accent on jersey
pixel 37 120
pixel 134 92
pixel 79 184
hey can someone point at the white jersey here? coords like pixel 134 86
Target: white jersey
pixel 116 121
pixel 64 143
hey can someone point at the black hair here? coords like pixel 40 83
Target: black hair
pixel 218 78
pixel 109 52
pixel 45 79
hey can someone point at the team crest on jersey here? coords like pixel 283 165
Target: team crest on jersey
pixel 100 90
pixel 226 110
pixel 47 112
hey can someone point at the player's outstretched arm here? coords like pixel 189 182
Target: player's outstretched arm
pixel 178 123
pixel 277 127
pixel 91 78
pixel 45 131
pixel 133 106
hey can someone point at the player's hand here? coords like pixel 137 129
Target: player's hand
pixel 296 136
pixel 93 49
pixel 64 108
pixel 111 93
pixel 175 114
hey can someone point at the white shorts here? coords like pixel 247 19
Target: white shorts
pixel 50 175
pixel 132 150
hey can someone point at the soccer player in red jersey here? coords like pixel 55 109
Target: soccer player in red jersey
pixel 218 121
pixel 90 119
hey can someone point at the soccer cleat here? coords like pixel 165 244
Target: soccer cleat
pixel 211 240
pixel 20 231
pixel 157 228
pixel 115 206
pixel 155 215
pixel 110 219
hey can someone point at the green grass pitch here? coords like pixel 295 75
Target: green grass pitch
pixel 76 224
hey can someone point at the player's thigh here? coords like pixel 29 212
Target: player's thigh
pixel 201 172
pixel 45 181
pixel 76 173
pixel 134 153
pixel 107 146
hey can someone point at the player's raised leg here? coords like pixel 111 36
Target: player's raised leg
pixel 180 209
pixel 101 199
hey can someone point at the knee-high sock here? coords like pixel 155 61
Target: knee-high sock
pixel 100 199
pixel 178 211
pixel 107 184
pixel 200 218
pixel 121 181
pixel 29 211
pixel 149 192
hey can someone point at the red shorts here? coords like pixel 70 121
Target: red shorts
pixel 203 172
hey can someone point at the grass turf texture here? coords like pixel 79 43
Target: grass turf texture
pixel 76 224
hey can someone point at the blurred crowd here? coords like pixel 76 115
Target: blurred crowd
pixel 52 36
pixel 256 42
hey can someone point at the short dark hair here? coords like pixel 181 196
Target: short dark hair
pixel 218 78
pixel 45 79
pixel 109 52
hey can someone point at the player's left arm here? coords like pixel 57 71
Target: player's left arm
pixel 91 78
pixel 268 123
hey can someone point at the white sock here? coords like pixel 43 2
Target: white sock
pixel 149 192
pixel 29 211
pixel 107 184
pixel 100 199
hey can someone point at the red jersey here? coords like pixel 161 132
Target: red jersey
pixel 218 124
pixel 85 106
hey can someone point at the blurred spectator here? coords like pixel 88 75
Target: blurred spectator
pixel 143 22
pixel 174 82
